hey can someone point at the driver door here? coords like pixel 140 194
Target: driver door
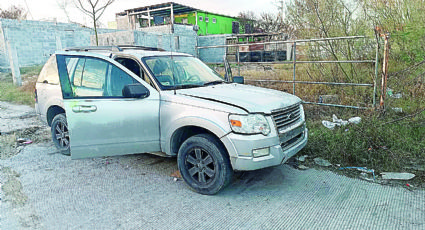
pixel 101 122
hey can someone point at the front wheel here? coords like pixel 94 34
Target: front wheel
pixel 60 133
pixel 204 164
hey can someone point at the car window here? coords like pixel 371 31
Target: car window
pixel 78 73
pixel 49 73
pixel 117 80
pixel 94 73
pixel 93 77
pixel 179 71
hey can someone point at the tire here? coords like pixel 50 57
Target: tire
pixel 204 164
pixel 60 134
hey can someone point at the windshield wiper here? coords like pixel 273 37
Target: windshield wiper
pixel 213 82
pixel 186 86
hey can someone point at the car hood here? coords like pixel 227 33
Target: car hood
pixel 249 98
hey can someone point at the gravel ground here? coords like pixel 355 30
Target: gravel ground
pixel 42 189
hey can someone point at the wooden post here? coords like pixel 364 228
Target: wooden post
pixel 384 72
pixel 14 64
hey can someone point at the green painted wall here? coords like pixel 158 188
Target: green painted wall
pixel 222 25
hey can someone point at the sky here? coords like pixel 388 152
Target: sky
pixel 49 10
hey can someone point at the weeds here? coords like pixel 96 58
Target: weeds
pixel 377 143
pixel 25 93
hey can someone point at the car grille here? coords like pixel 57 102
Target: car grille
pixel 286 117
pixel 292 141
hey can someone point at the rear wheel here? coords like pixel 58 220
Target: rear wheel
pixel 60 133
pixel 204 164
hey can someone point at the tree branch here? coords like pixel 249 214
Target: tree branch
pixel 402 118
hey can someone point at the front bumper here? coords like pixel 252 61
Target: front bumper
pixel 239 146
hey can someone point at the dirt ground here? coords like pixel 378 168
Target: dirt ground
pixel 42 189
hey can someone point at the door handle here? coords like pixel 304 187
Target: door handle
pixel 84 109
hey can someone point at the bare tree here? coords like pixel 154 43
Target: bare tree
pixel 14 12
pixel 248 19
pixel 94 9
pixel 63 5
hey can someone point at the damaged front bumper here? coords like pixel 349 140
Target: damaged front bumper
pixel 280 148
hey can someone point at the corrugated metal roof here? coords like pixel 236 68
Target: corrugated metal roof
pixel 157 10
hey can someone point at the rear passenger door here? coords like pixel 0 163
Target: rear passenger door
pixel 101 121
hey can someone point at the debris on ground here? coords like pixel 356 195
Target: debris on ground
pixel 176 175
pixel 397 176
pixel 397 109
pixel 303 167
pixel 364 172
pixel 339 122
pixel 328 124
pixel 397 95
pixel 322 162
pixel 24 141
pixel 302 158
pixel 355 120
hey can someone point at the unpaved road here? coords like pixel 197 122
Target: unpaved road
pixel 42 189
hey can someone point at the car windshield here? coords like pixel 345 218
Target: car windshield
pixel 179 72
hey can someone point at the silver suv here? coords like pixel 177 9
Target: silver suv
pixel 108 101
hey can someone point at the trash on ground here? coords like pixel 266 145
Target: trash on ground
pixel 303 167
pixel 365 176
pixel 397 176
pixel 302 158
pixel 328 124
pixel 176 174
pixel 361 169
pixel 339 122
pixel 397 109
pixel 355 120
pixel 24 141
pixel 389 92
pixel 397 96
pixel 322 162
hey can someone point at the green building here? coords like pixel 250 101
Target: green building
pixel 209 23
pixel 206 23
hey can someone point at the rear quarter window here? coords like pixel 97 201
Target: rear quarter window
pixel 49 73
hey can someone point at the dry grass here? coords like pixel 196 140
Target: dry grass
pixel 25 93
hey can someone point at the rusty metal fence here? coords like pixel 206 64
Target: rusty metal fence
pixel 294 62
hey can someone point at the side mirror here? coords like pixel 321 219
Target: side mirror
pixel 135 91
pixel 238 79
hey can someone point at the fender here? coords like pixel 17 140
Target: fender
pixel 218 126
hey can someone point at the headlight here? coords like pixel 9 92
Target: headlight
pixel 249 124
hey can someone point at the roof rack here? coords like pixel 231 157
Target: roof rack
pixel 123 47
pixel 112 48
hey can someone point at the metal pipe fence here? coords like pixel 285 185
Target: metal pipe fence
pixel 294 62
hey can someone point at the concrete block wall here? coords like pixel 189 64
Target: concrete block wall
pixel 115 38
pixel 212 54
pixel 35 41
